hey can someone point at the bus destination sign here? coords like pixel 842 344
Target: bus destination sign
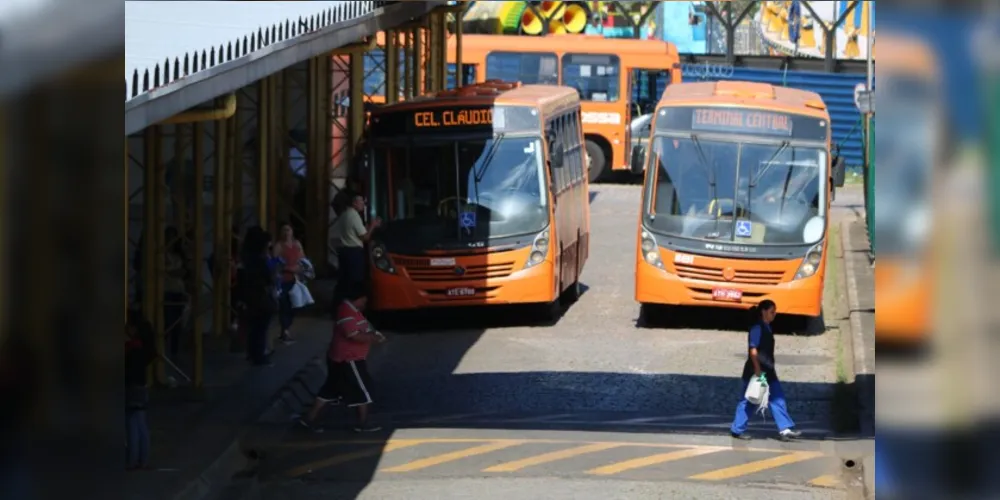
pixel 732 120
pixel 453 118
pixel 741 121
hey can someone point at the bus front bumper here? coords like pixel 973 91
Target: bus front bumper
pixel 398 292
pixel 656 286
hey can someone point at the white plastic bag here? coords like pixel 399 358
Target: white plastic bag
pixel 757 392
pixel 299 296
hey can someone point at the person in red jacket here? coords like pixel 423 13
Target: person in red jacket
pixel 347 378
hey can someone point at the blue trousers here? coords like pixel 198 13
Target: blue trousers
pixel 138 438
pixel 285 312
pixel 776 403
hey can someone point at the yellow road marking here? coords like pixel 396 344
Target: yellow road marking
pixel 826 481
pixel 335 442
pixel 757 466
pixel 424 463
pixel 659 458
pixel 350 457
pixel 550 457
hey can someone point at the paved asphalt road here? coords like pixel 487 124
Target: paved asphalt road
pixel 486 404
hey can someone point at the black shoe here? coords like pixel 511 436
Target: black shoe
pixel 741 437
pixel 367 428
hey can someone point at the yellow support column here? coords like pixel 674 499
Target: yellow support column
pixel 417 53
pixel 356 112
pixel 226 232
pixel 391 66
pixel 433 75
pixel 318 189
pixel 157 233
pixel 199 254
pixel 407 64
pixel 219 224
pixel 263 147
pixel 459 30
pixel 278 133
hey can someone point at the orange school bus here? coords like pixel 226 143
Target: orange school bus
pixel 736 199
pixel 483 196
pixel 617 80
pixel 911 140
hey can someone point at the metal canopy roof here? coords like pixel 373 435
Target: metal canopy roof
pixel 182 54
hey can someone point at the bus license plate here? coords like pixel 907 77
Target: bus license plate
pixel 727 294
pixel 460 292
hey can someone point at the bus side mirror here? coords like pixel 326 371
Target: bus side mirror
pixel 839 172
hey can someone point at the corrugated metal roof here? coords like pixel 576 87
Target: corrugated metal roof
pixel 208 49
pixel 157 31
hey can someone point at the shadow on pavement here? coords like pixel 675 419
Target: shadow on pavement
pixel 420 384
pixel 712 318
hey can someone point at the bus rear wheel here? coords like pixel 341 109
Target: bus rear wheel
pixel 597 161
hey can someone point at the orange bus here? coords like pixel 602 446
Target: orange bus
pixel 912 143
pixel 618 80
pixel 736 198
pixel 483 196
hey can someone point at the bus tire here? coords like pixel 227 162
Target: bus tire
pixel 597 160
pixel 572 294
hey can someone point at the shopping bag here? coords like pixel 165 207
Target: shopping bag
pixel 757 391
pixel 299 296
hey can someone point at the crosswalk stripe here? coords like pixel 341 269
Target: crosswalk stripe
pixel 646 461
pixel 550 457
pixel 424 463
pixel 825 481
pixel 757 466
pixel 350 457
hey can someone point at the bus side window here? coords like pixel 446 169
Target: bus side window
pixel 468 75
pixel 577 146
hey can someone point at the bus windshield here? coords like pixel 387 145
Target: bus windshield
pixel 473 190
pixel 729 191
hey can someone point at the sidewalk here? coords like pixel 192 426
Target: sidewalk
pixel 196 435
pixel 861 303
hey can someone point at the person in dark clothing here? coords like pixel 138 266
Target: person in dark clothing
pixel 760 363
pixel 258 300
pixel 140 351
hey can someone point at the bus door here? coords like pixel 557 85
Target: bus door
pixel 645 87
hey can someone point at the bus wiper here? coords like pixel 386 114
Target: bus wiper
pixel 767 165
pixel 478 176
pixel 489 157
pixel 756 178
pixel 709 171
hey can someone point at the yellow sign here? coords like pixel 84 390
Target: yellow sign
pixel 453 118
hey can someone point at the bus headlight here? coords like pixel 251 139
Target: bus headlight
pixel 811 262
pixel 539 250
pixel 650 250
pixel 381 259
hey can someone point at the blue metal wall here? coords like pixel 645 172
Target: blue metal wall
pixel 837 91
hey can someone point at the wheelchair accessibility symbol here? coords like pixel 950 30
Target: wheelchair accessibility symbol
pixel 467 220
pixel 744 229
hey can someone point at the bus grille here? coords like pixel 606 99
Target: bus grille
pixel 745 276
pixel 421 270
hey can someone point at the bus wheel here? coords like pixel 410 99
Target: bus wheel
pixel 596 161
pixel 551 312
pixel 572 294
